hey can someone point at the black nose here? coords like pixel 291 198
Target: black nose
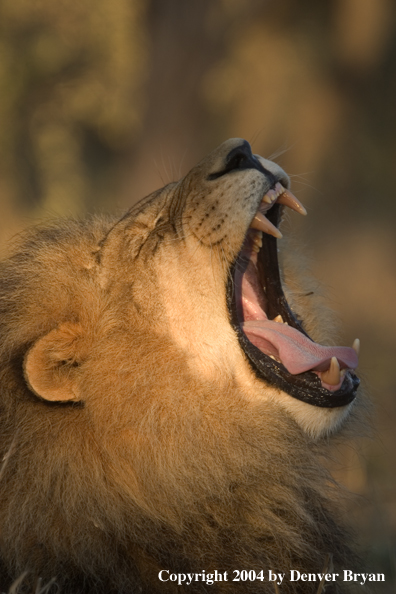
pixel 241 157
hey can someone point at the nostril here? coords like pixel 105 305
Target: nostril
pixel 238 158
pixel 238 161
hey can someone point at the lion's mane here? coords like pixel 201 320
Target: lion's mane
pixel 186 475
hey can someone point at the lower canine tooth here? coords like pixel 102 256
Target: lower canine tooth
pixel 356 346
pixel 333 375
pixel 261 223
pixel 278 319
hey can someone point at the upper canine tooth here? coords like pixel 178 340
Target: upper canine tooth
pixel 288 199
pixel 333 375
pixel 261 223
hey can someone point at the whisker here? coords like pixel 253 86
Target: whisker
pixel 279 152
pixel 172 167
pixel 305 184
pixel 159 171
pixel 181 162
pixel 168 177
pixel 300 174
pixel 256 135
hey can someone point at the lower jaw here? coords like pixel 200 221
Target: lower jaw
pixel 317 422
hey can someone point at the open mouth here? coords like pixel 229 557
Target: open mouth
pixel 270 333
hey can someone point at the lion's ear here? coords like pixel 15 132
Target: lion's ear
pixel 51 365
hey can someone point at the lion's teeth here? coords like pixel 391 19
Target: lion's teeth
pixel 356 346
pixel 279 189
pixel 333 375
pixel 279 319
pixel 270 196
pixel 257 240
pixel 285 197
pixel 288 199
pixel 261 223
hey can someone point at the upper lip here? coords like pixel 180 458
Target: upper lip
pixel 305 386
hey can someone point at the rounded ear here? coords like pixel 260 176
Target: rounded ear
pixel 51 365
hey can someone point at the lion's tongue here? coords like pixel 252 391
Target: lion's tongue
pixel 297 352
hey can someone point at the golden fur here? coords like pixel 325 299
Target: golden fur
pixel 135 435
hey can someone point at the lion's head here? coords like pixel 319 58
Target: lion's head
pixel 160 399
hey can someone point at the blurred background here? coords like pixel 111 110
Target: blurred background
pixel 103 101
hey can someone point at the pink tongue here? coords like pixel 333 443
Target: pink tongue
pixel 297 352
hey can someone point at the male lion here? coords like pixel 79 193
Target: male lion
pixel 162 407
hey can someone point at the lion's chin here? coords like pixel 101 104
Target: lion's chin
pixel 316 422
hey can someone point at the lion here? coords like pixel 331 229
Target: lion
pixel 164 411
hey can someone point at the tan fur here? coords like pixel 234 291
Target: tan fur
pixel 167 452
